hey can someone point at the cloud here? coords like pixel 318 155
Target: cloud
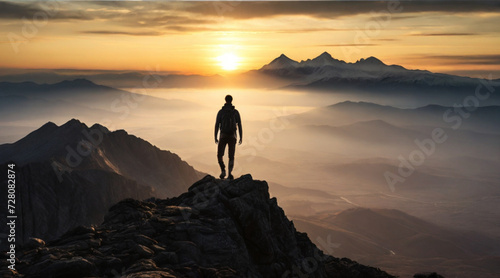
pixel 169 19
pixel 442 34
pixel 170 29
pixel 241 9
pixel 51 9
pixel 106 32
pixel 402 17
pixel 484 74
pixel 386 40
pixel 492 59
pixel 206 16
pixel 304 30
pixel 237 9
pixel 349 44
pixel 333 9
pixel 249 10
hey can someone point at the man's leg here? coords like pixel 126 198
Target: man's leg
pixel 220 155
pixel 232 150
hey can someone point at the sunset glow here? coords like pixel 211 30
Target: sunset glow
pixel 228 61
pixel 186 37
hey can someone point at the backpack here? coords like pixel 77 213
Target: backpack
pixel 228 121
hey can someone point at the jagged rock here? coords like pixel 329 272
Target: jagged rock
pixel 34 243
pixel 142 251
pixel 74 267
pixel 166 258
pixel 216 229
pixel 142 266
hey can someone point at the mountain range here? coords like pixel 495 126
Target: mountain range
pixel 325 61
pixel 25 106
pixel 217 228
pixel 371 78
pixel 79 93
pixel 326 68
pixel 71 174
pixel 368 79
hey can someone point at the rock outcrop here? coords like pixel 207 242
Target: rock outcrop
pixel 70 175
pixel 216 229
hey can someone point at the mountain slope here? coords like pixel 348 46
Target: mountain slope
pixel 69 175
pixel 64 90
pixel 118 79
pixel 79 98
pixel 216 229
pixel 393 239
pixel 483 119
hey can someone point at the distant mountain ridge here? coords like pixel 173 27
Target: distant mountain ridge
pixel 371 77
pixel 323 72
pixel 324 59
pixel 115 79
pixel 32 104
pixel 69 175
pixel 483 119
pixel 368 79
pixel 15 88
pixel 81 89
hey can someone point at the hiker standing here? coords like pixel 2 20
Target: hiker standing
pixel 227 119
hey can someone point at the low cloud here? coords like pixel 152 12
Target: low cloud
pixel 493 59
pixel 333 9
pixel 107 32
pixel 442 34
pixel 349 44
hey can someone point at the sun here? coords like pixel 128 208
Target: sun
pixel 228 61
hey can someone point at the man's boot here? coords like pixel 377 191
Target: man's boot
pixel 231 165
pixel 223 173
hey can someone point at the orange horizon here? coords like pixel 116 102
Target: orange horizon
pixel 190 38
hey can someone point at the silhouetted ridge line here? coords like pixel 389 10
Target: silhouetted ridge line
pixel 218 228
pixel 70 175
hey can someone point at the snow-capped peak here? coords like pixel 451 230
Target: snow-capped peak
pixel 371 61
pixel 281 62
pixel 325 59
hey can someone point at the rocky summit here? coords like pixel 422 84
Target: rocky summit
pixel 219 228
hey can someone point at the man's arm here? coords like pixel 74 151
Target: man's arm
pixel 216 129
pixel 240 128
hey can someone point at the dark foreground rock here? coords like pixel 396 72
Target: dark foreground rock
pixel 216 229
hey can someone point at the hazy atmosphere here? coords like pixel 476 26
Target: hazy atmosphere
pixel 376 124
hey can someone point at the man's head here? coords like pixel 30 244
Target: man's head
pixel 229 99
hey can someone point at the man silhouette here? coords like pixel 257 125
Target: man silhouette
pixel 226 122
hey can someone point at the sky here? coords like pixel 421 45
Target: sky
pixel 459 37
